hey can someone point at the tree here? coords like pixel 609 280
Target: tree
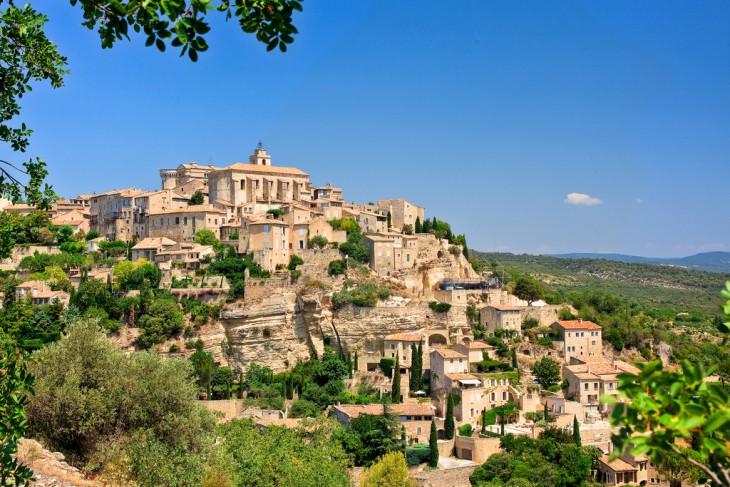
pixel 196 199
pixel 449 425
pixel 356 364
pixel 389 471
pixel 419 227
pixel 547 372
pixel 371 436
pixel 528 289
pixel 666 406
pixel 433 446
pixel 204 369
pixel 205 236
pixel 388 219
pixel 162 320
pixel 395 389
pixel 576 431
pixel 16 386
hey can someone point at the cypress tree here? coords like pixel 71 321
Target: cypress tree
pixel 484 421
pixel 433 445
pixel 419 227
pixel 413 382
pixel 501 424
pixel 515 365
pixel 419 370
pixel 389 220
pixel 240 385
pixel 403 440
pixel 395 390
pixel 466 248
pixel 545 411
pixel 426 225
pixel 576 431
pixel 349 362
pixel 449 425
pixel 356 364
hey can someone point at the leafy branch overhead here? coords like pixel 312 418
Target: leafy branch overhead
pixel 183 23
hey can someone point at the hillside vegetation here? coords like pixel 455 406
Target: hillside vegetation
pixel 650 285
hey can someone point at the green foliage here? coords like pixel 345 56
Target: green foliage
pixel 576 431
pixel 196 199
pixel 152 462
pixel 276 212
pixel 317 242
pixel 490 365
pixel 390 470
pixel 386 365
pixel 668 406
pixel 296 457
pixel 449 421
pixel 433 447
pixel 92 235
pixel 439 307
pixel 302 408
pixel 16 385
pixel 337 268
pixel 88 391
pixel 418 227
pixel 205 236
pixel 136 275
pixel 528 289
pixel 547 372
pixel 162 320
pixel 395 386
pixel 294 261
pixel 546 461
pixel 416 378
pixel 418 455
pixel 371 436
pixel 348 225
pixel 365 294
pixel 466 430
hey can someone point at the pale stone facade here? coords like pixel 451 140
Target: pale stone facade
pixel 591 377
pixel 398 345
pixel 501 317
pixel 180 224
pixel 579 338
pixel 258 180
pixel 108 213
pixel 391 251
pixel 403 212
pixel 149 247
pixel 39 292
pixel 185 174
pixel 416 418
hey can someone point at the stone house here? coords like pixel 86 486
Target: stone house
pixel 501 317
pixel 579 338
pixel 76 219
pixel 398 345
pixel 415 417
pixel 592 377
pixel 391 252
pixel 180 224
pixel 258 180
pixel 149 247
pixel 266 236
pixel 39 292
pixel 617 472
pixel 327 192
pixel 475 350
pixel 109 212
pixel 184 175
pixel 137 219
pixel 444 361
pixel 184 255
pixel 403 212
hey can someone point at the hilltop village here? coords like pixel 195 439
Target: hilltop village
pixel 269 271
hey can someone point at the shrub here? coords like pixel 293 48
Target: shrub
pixel 364 295
pixel 386 365
pixel 294 261
pixel 233 236
pixel 195 344
pixel 466 430
pixel 455 250
pixel 317 242
pixel 173 348
pixel 336 267
pixel 530 323
pixel 314 284
pixel 92 235
pixel 439 307
pixel 417 455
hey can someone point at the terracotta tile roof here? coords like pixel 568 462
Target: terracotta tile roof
pixel 415 336
pixel 223 203
pixel 604 368
pixel 504 307
pixel 448 353
pixel 617 465
pixel 477 345
pixel 153 243
pixel 409 409
pixel 255 168
pixel 578 325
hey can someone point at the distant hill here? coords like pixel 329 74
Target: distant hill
pixel 706 261
pixel 685 289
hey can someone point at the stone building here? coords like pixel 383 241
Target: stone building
pixel 403 212
pixel 579 338
pixel 590 377
pixel 180 224
pixel 475 350
pixel 149 247
pixel 399 345
pixel 416 418
pixel 258 180
pixel 186 174
pixel 39 292
pixel 501 317
pixel 110 212
pixel 391 252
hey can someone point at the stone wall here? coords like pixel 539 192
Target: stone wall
pixel 319 257
pixel 20 252
pixel 476 448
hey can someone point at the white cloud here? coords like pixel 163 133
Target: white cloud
pixel 639 200
pixel 580 199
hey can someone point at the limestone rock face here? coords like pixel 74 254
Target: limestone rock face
pixel 279 324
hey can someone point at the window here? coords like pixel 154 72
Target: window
pixel 418 430
pixel 301 232
pixel 586 386
pixel 185 221
pixel 177 220
pixel 266 245
pixel 266 229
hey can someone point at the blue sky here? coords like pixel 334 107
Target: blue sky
pixel 488 113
